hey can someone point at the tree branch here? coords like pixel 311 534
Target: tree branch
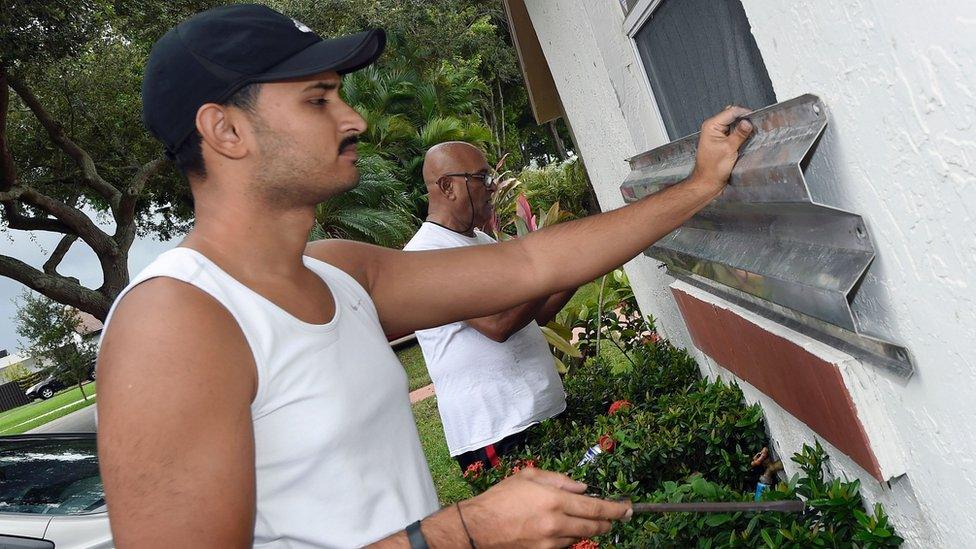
pixel 54 129
pixel 127 208
pixel 8 170
pixel 80 224
pixel 19 221
pixel 51 265
pixel 12 194
pixel 61 289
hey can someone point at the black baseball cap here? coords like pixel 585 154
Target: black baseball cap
pixel 210 56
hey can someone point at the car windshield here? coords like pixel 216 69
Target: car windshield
pixel 49 476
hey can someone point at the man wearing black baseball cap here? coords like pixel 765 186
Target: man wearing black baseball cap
pixel 248 395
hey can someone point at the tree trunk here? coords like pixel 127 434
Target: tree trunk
pixel 65 217
pixel 501 101
pixel 82 389
pixel 560 146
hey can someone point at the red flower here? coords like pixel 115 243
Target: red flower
pixel 652 337
pixel 474 470
pixel 618 405
pixel 522 464
pixel 607 443
pixel 585 544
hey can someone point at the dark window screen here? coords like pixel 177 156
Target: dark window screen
pixel 700 56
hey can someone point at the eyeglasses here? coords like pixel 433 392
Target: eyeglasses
pixel 488 180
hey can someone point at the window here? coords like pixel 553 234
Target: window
pixel 56 475
pixel 699 56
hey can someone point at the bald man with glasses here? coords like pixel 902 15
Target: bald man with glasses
pixel 494 375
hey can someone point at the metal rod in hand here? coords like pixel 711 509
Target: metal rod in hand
pixel 784 506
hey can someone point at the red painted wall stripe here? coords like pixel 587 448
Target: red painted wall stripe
pixel 808 387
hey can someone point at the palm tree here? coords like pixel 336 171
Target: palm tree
pixel 376 211
pixel 407 113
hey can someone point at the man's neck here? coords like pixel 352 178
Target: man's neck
pixel 451 222
pixel 254 241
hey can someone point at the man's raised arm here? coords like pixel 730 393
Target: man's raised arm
pixel 415 290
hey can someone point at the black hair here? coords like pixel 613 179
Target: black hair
pixel 189 157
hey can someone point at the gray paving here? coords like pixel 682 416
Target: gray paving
pixel 82 421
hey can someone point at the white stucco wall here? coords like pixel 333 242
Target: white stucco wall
pixel 611 116
pixel 898 79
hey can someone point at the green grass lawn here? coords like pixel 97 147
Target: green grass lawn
pixel 23 419
pixel 445 471
pixel 413 361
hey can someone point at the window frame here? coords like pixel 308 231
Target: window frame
pixel 633 22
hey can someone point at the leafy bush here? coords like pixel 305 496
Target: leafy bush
pixel 667 435
pixel 609 316
pixel 377 210
pixel 678 424
pixel 564 182
pixel 835 516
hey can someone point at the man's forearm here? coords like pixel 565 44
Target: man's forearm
pixel 550 260
pixel 553 305
pixel 604 241
pixel 500 326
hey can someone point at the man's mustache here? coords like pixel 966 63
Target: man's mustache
pixel 348 142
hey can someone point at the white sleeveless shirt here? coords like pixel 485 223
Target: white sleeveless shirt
pixel 338 460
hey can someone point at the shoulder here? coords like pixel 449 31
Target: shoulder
pixel 172 327
pixel 164 297
pixel 354 258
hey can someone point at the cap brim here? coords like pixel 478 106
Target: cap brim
pixel 342 55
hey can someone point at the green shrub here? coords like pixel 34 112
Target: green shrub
pixel 670 432
pixel 564 182
pixel 835 516
pixel 682 438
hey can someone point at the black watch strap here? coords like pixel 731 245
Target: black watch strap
pixel 416 537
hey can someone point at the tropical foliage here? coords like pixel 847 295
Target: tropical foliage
pixel 657 432
pixel 408 112
pixel 563 182
pixel 378 210
pixel 73 150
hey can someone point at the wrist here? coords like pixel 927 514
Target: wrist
pixel 464 526
pixel 440 530
pixel 710 187
pixel 415 536
pixel 473 527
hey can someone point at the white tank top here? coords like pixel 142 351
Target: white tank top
pixel 338 459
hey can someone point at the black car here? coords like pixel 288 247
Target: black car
pixel 46 388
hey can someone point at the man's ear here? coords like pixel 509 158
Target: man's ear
pixel 218 127
pixel 446 186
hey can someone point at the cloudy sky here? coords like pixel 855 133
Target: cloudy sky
pixel 34 248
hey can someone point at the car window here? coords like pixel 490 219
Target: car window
pixel 51 476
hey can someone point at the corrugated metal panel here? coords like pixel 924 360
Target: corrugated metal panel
pixel 764 242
